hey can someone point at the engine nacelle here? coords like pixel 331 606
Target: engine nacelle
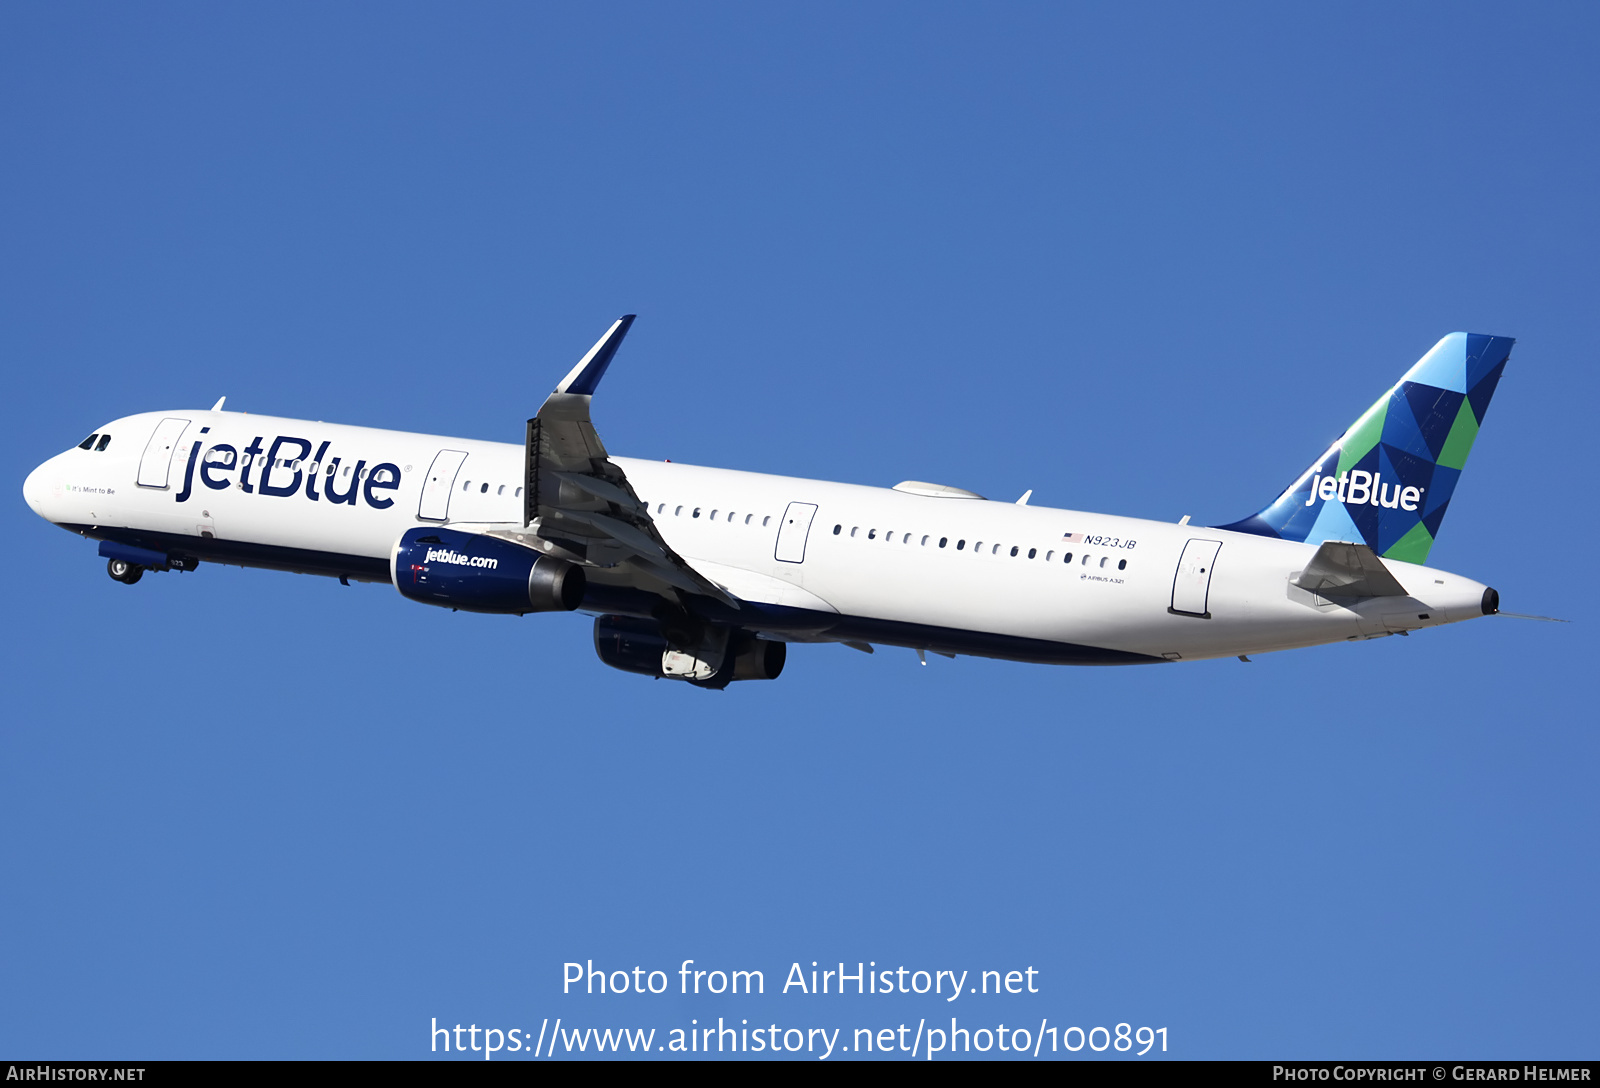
pixel 760 659
pixel 478 573
pixel 717 658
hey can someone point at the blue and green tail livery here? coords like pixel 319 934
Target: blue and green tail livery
pixel 1389 478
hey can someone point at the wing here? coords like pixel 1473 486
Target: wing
pixel 580 503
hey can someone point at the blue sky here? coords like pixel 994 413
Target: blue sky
pixel 1146 259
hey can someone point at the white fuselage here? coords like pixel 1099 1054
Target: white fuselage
pixel 876 565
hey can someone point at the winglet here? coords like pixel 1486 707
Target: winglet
pixel 217 407
pixel 585 377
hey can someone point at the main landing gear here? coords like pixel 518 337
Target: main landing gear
pixel 123 571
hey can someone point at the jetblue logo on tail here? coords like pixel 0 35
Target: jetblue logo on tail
pixel 1387 482
pixel 1364 489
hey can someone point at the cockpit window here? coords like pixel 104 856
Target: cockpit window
pixel 105 440
pixel 88 443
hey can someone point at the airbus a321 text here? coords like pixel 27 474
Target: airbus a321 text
pixel 706 574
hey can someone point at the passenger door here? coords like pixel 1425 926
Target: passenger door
pixel 156 464
pixel 1191 585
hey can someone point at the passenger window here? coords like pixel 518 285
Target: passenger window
pixel 1103 560
pixel 1013 551
pixel 517 493
pixel 836 529
pixel 872 534
pixel 1086 559
pixel 677 512
pixel 766 521
pixel 88 443
pixel 347 470
pixel 1031 552
pixel 960 544
pixel 484 490
pixel 1066 557
pixel 943 541
pixel 1049 555
pixel 925 541
pixel 854 529
pixel 907 539
pixel 713 515
pixel 730 517
pixel 501 490
pixel 333 467
pixel 696 512
pixel 1122 564
pixel 466 485
pixel 996 550
pixel 978 547
pixel 747 518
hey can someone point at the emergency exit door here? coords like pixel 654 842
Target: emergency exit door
pixel 1191 586
pixel 793 531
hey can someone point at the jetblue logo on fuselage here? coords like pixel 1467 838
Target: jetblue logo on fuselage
pixel 445 555
pixel 288 468
pixel 1362 488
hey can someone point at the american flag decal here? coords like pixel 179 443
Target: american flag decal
pixel 1072 538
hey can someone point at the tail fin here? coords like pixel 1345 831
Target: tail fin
pixel 1388 480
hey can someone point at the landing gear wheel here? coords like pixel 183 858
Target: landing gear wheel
pixel 124 571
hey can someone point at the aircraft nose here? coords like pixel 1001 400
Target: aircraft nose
pixel 37 488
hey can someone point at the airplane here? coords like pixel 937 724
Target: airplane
pixel 705 575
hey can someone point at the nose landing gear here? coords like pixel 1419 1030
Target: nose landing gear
pixel 123 571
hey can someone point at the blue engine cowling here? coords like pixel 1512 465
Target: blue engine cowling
pixel 478 573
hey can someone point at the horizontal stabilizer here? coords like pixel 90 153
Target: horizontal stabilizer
pixel 1340 569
